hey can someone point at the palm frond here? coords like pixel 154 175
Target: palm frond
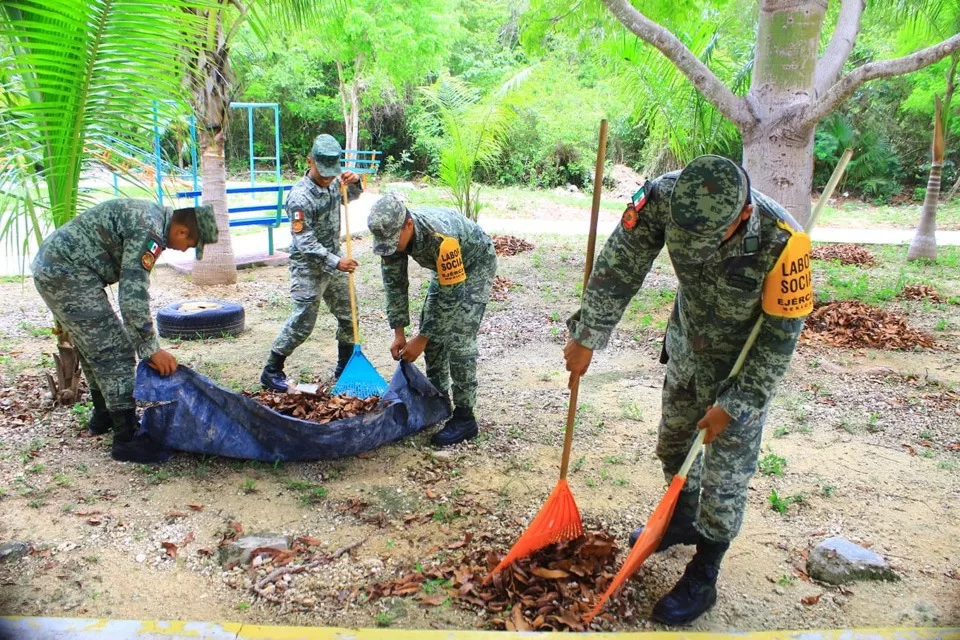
pixel 82 73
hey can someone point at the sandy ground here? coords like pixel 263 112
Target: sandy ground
pixel 868 440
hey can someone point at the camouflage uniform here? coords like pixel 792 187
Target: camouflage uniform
pixel 718 301
pixel 314 214
pixel 115 241
pixel 452 313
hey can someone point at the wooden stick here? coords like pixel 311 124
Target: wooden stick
pixel 587 268
pixel 353 295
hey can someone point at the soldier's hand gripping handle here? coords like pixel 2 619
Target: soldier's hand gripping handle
pixel 163 362
pixel 714 422
pixel 578 359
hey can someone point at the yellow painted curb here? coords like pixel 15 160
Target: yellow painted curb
pixel 23 628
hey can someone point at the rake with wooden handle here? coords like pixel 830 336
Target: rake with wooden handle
pixel 559 517
pixel 359 378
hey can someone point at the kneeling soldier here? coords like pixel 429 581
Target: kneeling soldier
pixel 116 241
pixel 738 255
pixel 464 262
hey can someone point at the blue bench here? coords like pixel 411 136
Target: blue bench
pixel 364 163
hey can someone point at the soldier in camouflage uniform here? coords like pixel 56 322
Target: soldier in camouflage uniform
pixel 116 241
pixel 737 254
pixel 316 269
pixel 464 263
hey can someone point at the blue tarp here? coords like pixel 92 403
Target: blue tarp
pixel 198 416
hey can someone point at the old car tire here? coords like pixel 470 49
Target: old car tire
pixel 194 319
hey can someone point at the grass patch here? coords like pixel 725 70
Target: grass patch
pixel 772 465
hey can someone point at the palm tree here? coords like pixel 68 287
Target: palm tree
pixel 924 245
pixel 77 75
pixel 211 85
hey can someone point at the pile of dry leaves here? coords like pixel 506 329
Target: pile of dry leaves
pixel 510 245
pixel 320 407
pixel 501 288
pixel 552 590
pixel 853 324
pixel 845 253
pixel 920 292
pixel 22 402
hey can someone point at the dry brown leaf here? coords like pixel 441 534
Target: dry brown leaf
pixel 811 600
pixel 170 548
pixel 187 539
pixel 519 622
pixel 310 541
pixel 909 449
pixel 195 507
pixel 549 574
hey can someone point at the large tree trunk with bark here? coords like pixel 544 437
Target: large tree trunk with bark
pixel 924 245
pixel 781 169
pixel 218 265
pixel 777 150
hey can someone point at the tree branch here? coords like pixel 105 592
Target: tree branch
pixel 883 69
pixel 841 44
pixel 719 95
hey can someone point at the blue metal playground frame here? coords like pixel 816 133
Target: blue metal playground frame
pixel 363 162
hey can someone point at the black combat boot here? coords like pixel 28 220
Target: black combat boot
pixel 462 426
pixel 99 422
pixel 130 447
pixel 696 590
pixel 272 377
pixel 344 351
pixel 680 530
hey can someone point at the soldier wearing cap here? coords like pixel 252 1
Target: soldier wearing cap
pixel 464 263
pixel 117 241
pixel 316 268
pixel 737 254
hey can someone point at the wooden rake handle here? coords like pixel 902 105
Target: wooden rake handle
pixel 353 295
pixel 587 268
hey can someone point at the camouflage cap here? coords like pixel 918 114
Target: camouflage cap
pixel 326 153
pixel 708 196
pixel 207 226
pixel 385 221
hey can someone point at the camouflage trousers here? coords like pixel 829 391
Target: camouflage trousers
pixel 80 305
pixel 455 356
pixel 721 474
pixel 308 285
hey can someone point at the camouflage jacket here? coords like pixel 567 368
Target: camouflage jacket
pixel 432 226
pixel 113 241
pixel 718 300
pixel 314 214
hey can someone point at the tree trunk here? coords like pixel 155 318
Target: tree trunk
pixel 777 152
pixel 212 84
pixel 781 169
pixel 218 265
pixel 924 245
pixel 65 389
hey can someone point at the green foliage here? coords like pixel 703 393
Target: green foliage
pixel 469 131
pixel 874 170
pixel 772 465
pixel 75 78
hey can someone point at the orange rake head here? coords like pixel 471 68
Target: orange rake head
pixel 646 544
pixel 558 520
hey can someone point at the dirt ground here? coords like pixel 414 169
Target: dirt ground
pixel 859 443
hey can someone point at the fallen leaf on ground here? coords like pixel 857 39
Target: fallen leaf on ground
pixel 811 600
pixel 171 548
pixel 195 507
